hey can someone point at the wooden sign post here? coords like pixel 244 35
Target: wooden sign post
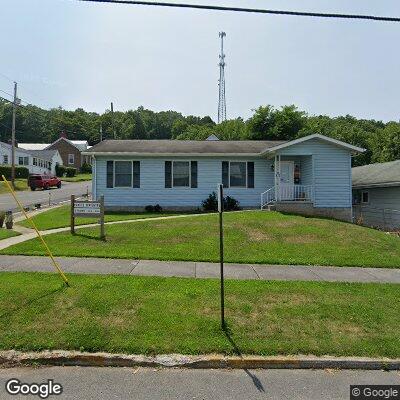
pixel 221 251
pixel 88 209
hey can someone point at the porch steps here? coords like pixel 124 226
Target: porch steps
pixel 270 207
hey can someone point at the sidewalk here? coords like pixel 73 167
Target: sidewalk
pixel 200 269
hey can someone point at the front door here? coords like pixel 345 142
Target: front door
pixel 286 180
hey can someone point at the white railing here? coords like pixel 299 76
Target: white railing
pixel 287 193
pixel 267 197
pixel 294 193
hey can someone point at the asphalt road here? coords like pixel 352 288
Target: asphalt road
pixel 184 384
pixel 29 198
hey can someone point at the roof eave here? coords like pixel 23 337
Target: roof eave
pixel 375 185
pixel 139 154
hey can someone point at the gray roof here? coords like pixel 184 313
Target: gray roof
pixel 184 146
pixel 43 154
pixel 375 175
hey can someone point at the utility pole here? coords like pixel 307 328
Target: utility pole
pixel 15 103
pixel 112 119
pixel 221 82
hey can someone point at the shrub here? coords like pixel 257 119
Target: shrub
pixel 60 170
pixel 149 208
pixel 211 203
pixel 70 172
pixel 20 172
pixel 157 208
pixel 86 168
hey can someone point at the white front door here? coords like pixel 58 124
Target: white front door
pixel 286 180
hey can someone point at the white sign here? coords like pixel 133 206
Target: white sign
pixel 87 208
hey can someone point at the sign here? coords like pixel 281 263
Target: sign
pixel 87 209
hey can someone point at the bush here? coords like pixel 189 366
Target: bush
pixel 156 209
pixel 20 172
pixel 211 203
pixel 60 170
pixel 86 168
pixel 70 172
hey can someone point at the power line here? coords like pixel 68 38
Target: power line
pixel 250 10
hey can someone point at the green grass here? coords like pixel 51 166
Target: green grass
pixel 250 237
pixel 77 178
pixel 20 185
pixel 7 233
pixel 60 217
pixel 172 315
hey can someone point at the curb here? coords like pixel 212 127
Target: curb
pixel 13 358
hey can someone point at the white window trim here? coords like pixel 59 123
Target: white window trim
pixel 362 197
pixel 190 174
pixel 229 174
pixel 69 159
pixel 123 187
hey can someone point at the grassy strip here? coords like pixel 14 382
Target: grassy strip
pixel 60 217
pixel 250 237
pixel 77 178
pixel 171 315
pixel 7 233
pixel 20 185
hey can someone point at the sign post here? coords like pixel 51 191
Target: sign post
pixel 221 251
pixel 88 209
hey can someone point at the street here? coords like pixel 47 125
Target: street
pixel 29 198
pixel 152 384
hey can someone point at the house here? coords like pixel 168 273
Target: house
pixel 376 195
pixel 70 150
pixel 37 161
pixel 311 175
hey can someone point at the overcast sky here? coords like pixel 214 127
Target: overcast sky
pixel 74 54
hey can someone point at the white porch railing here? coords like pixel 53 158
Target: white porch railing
pixel 285 192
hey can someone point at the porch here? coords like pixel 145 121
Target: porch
pixel 293 181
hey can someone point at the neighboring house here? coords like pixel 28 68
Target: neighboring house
pixel 311 175
pixel 70 150
pixel 376 195
pixel 37 161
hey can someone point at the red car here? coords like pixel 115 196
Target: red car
pixel 45 182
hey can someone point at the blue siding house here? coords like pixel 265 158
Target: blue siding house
pixel 310 175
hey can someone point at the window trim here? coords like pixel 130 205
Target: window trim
pixel 362 196
pixel 113 175
pixel 172 175
pixel 69 159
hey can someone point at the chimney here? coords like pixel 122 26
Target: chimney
pixel 63 134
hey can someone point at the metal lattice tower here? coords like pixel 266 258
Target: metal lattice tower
pixel 221 82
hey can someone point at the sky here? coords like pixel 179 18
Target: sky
pixel 73 54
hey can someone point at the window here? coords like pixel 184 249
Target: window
pixel 181 174
pixel 20 160
pixel 5 159
pixel 123 174
pixel 365 197
pixel 238 174
pixel 34 161
pixel 26 160
pixel 71 159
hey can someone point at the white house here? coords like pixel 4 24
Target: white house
pixel 37 161
pixel 311 175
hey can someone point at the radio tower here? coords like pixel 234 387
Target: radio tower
pixel 221 82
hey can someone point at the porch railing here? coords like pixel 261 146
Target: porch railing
pixel 296 193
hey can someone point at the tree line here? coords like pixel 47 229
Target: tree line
pixel 37 125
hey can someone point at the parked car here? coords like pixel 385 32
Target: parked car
pixel 45 182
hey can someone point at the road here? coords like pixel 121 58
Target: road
pixel 184 384
pixel 29 198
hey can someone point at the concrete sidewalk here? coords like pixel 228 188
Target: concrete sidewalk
pixel 189 269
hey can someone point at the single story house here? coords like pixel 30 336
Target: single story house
pixel 310 175
pixel 70 150
pixel 37 161
pixel 376 195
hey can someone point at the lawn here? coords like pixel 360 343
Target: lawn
pixel 175 315
pixel 77 178
pixel 250 237
pixel 20 185
pixel 6 233
pixel 61 216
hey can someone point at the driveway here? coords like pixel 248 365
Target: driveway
pixel 29 198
